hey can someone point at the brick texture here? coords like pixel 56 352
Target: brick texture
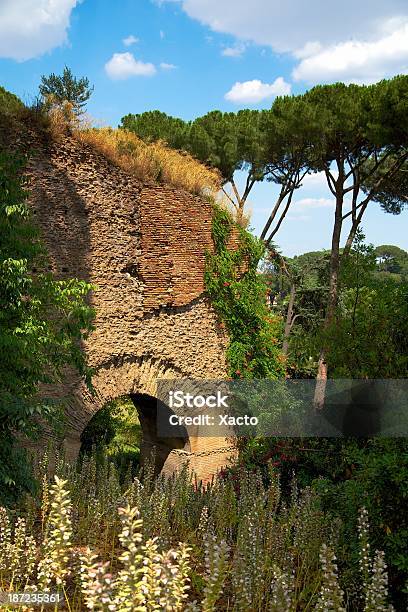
pixel 143 247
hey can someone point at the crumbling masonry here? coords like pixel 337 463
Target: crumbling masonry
pixel 143 248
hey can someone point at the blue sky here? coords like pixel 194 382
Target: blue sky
pixel 188 57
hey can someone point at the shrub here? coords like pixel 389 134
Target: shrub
pixel 347 473
pixel 9 103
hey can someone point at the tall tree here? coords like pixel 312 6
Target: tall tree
pixel 392 260
pixel 66 88
pixel 287 130
pixel 360 143
pixel 230 142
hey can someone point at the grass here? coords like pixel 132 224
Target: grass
pixel 151 161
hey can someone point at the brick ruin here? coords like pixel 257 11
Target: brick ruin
pixel 143 248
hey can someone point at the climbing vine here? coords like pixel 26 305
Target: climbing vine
pixel 238 293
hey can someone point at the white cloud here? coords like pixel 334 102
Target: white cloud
pixel 162 34
pixel 252 92
pixel 356 61
pixel 166 66
pixel 124 65
pixel 290 25
pixel 236 50
pixel 130 40
pixel 308 49
pixel 353 41
pixel 316 180
pixel 307 203
pixel 29 28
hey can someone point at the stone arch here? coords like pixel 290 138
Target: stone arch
pixel 137 378
pixel 143 247
pixel 129 375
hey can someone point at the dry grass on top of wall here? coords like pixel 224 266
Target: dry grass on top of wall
pixel 152 161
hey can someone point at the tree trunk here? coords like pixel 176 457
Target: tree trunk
pixel 321 377
pixel 281 218
pixel 273 214
pixel 289 317
pixel 241 200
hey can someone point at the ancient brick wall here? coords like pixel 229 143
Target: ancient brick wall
pixel 143 248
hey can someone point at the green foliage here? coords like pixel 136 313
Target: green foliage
pixel 153 126
pixel 9 103
pixel 66 88
pixel 229 142
pixel 213 140
pixel 373 472
pixel 391 260
pixel 42 322
pixel 347 474
pixel 238 293
pixel 392 194
pixel 234 544
pixel 369 336
pixel 115 432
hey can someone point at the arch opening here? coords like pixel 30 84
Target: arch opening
pixel 126 430
pixel 148 408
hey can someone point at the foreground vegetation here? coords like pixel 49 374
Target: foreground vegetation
pixel 106 542
pixel 109 541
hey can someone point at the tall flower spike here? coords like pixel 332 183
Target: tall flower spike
pixel 331 595
pixel 377 591
pixel 216 559
pixel 54 566
pixel 364 552
pixel 96 582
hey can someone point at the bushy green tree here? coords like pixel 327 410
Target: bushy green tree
pixel 368 338
pixel 42 323
pixel 231 142
pixel 392 261
pixel 66 88
pixel 155 125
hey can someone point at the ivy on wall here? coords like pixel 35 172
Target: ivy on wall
pixel 238 294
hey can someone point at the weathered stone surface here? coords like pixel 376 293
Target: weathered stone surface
pixel 143 248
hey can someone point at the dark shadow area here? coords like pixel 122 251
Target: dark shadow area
pixel 147 407
pixel 356 411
